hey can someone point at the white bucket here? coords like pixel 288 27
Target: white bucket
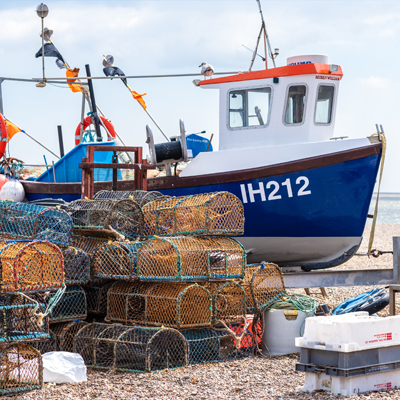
pixel 280 333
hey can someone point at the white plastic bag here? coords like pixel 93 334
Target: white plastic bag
pixel 63 367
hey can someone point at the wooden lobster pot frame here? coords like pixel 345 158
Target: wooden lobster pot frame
pixel 131 349
pixel 141 197
pixel 66 332
pixel 124 216
pixel 71 306
pixel 116 260
pixel 229 301
pixel 263 284
pixel 19 321
pixel 165 304
pixel 21 369
pixel 190 259
pixel 28 221
pixel 209 214
pixel 76 266
pixel 96 297
pixel 28 266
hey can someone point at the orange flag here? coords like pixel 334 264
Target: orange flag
pixel 73 73
pixel 139 98
pixel 12 130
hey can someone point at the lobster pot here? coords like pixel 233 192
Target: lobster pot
pixel 150 216
pixel 65 333
pixel 28 221
pixel 19 322
pixel 190 259
pixel 96 297
pixel 228 300
pixel 131 349
pixel 71 306
pixel 173 305
pixel 87 243
pixel 21 369
pixel 207 214
pixel 124 216
pixel 141 197
pixel 208 345
pixel 76 266
pixel 263 284
pixel 27 266
pixel 116 260
pixel 48 345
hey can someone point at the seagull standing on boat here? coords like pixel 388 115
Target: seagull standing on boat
pixel 206 69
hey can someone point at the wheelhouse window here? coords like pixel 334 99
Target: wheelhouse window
pixel 249 107
pixel 296 100
pixel 323 109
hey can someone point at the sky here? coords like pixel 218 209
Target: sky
pixel 175 37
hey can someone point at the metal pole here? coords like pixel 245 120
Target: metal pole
pixel 60 141
pixel 44 78
pixel 255 50
pixel 396 259
pixel 94 108
pixel 265 33
pixel 1 98
pixel 40 144
pixel 82 117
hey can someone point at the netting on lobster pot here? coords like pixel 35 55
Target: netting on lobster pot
pixel 21 320
pixel 133 349
pixel 263 284
pixel 88 244
pixel 150 216
pixel 47 345
pixel 116 260
pixel 124 216
pixel 76 266
pixel 71 306
pixel 66 332
pixel 21 369
pixel 27 266
pixel 229 301
pixel 29 221
pixel 236 342
pixel 175 305
pixel 142 197
pixel 208 214
pixel 190 259
pixel 96 297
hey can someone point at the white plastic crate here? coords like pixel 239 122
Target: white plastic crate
pixel 350 332
pixel 353 385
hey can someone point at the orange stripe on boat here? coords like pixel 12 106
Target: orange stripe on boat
pixel 288 70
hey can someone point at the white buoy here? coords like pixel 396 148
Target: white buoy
pixel 12 190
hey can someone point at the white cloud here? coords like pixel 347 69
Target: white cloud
pixel 375 82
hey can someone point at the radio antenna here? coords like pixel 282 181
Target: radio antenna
pixel 263 31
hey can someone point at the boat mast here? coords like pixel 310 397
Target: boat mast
pixel 266 42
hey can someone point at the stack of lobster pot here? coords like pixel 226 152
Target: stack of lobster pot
pixel 172 281
pixel 32 241
pixel 350 353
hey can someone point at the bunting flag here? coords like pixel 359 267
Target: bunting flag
pixel 12 129
pixel 73 73
pixel 50 51
pixel 112 71
pixel 139 98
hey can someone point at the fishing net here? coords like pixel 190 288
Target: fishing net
pixel 229 301
pixel 190 259
pixel 28 221
pixel 71 306
pixel 142 197
pixel 66 332
pixel 133 349
pixel 263 284
pixel 208 345
pixel 76 266
pixel 21 369
pixel 45 346
pixel 123 216
pixel 20 321
pixel 116 260
pixel 27 266
pixel 177 305
pixel 96 297
pixel 209 214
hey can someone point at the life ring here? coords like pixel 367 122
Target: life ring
pixel 87 121
pixel 3 135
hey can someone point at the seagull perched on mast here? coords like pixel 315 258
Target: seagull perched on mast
pixel 206 69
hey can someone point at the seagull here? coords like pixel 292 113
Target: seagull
pixel 206 69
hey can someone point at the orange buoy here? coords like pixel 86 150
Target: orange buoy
pixel 3 180
pixel 3 135
pixel 89 120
